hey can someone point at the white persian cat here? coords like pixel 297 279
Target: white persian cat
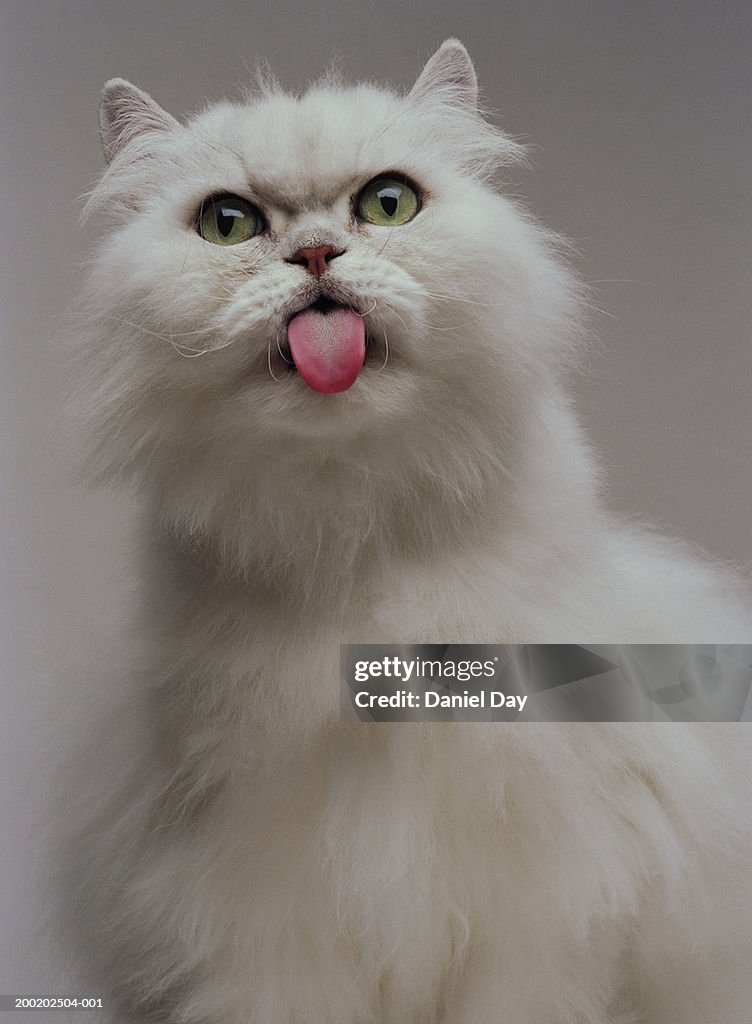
pixel 331 353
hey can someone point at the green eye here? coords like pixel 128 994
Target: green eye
pixel 387 201
pixel 228 220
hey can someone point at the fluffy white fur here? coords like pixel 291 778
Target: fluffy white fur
pixel 255 860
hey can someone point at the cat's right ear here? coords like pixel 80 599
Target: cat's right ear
pixel 125 112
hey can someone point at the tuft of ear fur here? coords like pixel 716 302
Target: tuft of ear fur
pixel 449 76
pixel 446 93
pixel 125 112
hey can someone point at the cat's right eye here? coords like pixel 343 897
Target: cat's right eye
pixel 228 220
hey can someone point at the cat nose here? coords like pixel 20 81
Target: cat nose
pixel 315 258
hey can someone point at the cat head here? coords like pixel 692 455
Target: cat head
pixel 331 276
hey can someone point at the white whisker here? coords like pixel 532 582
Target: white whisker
pixel 269 362
pixel 279 349
pixel 386 353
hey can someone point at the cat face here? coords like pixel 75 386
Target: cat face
pixel 333 268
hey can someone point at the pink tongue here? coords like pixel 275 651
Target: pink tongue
pixel 328 348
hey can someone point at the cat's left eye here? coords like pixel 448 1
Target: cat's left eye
pixel 387 201
pixel 228 220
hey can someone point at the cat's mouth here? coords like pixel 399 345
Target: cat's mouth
pixel 327 344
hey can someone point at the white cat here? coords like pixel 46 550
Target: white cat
pixel 332 353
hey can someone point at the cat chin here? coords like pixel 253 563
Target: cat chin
pixel 289 407
pixel 270 391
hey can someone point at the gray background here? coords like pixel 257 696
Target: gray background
pixel 640 117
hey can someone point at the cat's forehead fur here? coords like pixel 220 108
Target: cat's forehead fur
pixel 302 150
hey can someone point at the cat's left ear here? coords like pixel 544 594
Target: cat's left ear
pixel 449 77
pixel 125 112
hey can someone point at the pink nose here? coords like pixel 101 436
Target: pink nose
pixel 315 258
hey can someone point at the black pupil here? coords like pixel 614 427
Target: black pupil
pixel 226 218
pixel 389 200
